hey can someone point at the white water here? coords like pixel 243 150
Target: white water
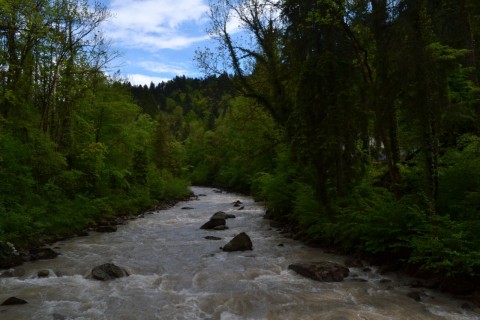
pixel 177 274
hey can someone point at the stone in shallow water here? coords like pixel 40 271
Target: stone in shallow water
pixel 212 238
pixel 213 223
pixel 43 273
pixel 241 242
pixel 321 271
pixel 13 301
pixel 42 254
pixel 108 271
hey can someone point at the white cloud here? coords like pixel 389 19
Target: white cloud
pixel 156 24
pixel 141 79
pixel 155 66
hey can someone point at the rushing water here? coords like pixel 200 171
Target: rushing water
pixel 177 274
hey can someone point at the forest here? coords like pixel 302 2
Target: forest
pixel 357 122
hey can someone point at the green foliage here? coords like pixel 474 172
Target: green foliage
pixel 278 187
pixel 448 247
pixel 371 220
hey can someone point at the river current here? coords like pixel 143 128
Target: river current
pixel 175 273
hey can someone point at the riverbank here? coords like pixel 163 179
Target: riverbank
pixel 465 287
pixel 12 255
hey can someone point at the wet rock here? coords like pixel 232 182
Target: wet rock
pixel 237 203
pixel 281 245
pixel 212 238
pixel 43 273
pixel 220 228
pixel 222 215
pixel 415 295
pixel 42 254
pixel 108 271
pixel 187 208
pixel 202 195
pixel 58 316
pixel 241 208
pixel 240 242
pixel 13 301
pixel 9 256
pixel 212 223
pixel 321 271
pixel 106 229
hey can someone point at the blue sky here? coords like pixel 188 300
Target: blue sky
pixel 156 39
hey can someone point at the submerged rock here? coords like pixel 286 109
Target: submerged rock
pixel 42 254
pixel 187 208
pixel 321 271
pixel 108 271
pixel 13 301
pixel 240 242
pixel 212 238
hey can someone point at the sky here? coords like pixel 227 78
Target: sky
pixel 156 39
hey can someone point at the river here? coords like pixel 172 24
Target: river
pixel 175 273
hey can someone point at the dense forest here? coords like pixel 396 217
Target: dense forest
pixel 358 122
pixel 74 147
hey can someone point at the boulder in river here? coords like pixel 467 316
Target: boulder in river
pixel 240 242
pixel 42 254
pixel 43 273
pixel 13 301
pixel 108 271
pixel 222 215
pixel 213 223
pixel 325 271
pixel 237 203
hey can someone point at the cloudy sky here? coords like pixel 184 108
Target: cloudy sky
pixel 157 39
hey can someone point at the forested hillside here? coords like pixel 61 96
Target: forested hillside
pixel 74 147
pixel 357 122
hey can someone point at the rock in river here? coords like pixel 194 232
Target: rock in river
pixel 240 242
pixel 321 271
pixel 213 223
pixel 108 271
pixel 222 215
pixel 13 301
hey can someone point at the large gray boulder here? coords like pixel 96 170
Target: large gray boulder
pixel 240 242
pixel 108 271
pixel 321 271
